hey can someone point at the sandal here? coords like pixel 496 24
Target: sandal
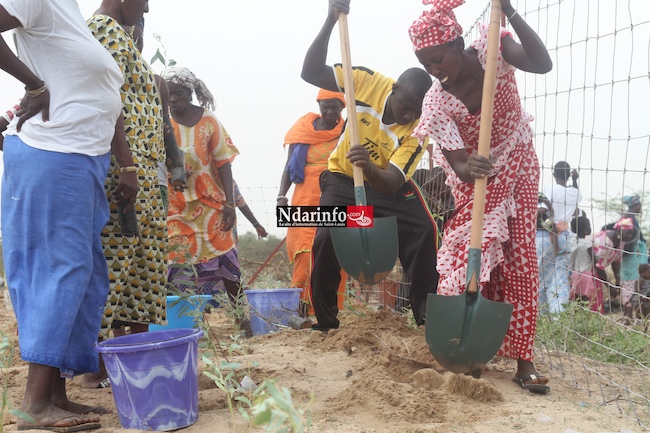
pixel 104 384
pixel 532 383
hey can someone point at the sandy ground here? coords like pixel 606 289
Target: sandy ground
pixel 374 375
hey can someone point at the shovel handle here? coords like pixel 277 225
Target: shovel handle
pixel 485 133
pixel 348 83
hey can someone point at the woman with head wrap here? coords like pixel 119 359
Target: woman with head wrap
pixel 311 140
pixel 201 219
pixel 632 257
pixel 621 249
pixel 451 117
pixel 137 261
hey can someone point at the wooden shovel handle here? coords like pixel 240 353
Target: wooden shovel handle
pixel 357 172
pixel 485 132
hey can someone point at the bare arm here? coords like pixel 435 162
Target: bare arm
pixel 30 105
pixel 467 168
pixel 225 175
pixel 127 187
pixel 385 181
pixel 531 55
pixel 248 213
pixel 314 69
pixel 616 267
pixel 175 159
pixel 285 181
pixel 3 128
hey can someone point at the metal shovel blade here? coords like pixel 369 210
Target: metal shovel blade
pixel 367 254
pixel 464 332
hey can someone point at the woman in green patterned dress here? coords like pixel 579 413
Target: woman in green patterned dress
pixel 137 264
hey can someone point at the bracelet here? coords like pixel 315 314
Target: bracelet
pixel 36 92
pixel 281 197
pixel 230 204
pixel 513 15
pixel 256 225
pixel 128 169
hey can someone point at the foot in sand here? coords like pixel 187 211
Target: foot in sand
pixel 81 409
pixel 58 420
pixel 529 379
pixel 94 380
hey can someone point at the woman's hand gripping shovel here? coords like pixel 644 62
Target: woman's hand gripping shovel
pixel 367 254
pixel 464 332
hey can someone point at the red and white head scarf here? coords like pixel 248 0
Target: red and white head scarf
pixel 437 26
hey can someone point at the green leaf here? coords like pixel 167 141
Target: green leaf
pixel 244 414
pixel 158 56
pixel 263 417
pixel 212 376
pixel 171 62
pixel 231 365
pixel 245 400
pixel 20 414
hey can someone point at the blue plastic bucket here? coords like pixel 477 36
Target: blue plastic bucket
pixel 271 308
pixel 154 378
pixel 179 312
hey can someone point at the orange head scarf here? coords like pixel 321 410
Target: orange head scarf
pixel 328 94
pixel 437 26
pixel 303 132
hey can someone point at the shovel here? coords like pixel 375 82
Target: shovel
pixel 464 332
pixel 367 254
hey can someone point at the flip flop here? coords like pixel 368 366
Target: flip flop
pixel 536 388
pixel 66 429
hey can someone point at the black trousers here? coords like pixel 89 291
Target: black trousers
pixel 416 232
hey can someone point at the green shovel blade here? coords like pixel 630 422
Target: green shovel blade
pixel 464 332
pixel 367 254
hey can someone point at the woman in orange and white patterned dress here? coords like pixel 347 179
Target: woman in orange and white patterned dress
pixel 201 218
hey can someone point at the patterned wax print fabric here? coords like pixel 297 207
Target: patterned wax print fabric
pixel 605 253
pixel 584 281
pixel 586 284
pixel 386 144
pixel 196 214
pixel 630 261
pixel 137 265
pixel 509 260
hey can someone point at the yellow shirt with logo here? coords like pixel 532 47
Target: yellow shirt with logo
pixel 386 144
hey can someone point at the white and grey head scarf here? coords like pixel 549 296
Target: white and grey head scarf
pixel 186 78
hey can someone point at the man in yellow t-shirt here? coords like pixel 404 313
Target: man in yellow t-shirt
pixel 387 113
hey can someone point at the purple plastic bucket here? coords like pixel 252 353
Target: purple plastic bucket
pixel 154 378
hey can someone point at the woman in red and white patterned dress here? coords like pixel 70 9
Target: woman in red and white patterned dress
pixel 451 117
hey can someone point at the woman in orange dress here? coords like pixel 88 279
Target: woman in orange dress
pixel 311 140
pixel 201 218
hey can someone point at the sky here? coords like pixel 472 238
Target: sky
pixel 250 55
